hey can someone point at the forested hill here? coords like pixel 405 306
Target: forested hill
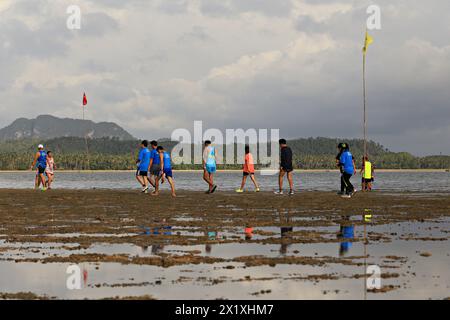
pixel 115 154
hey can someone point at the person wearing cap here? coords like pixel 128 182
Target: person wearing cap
pixel 40 163
pixel 347 168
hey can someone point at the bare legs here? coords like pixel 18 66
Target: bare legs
pixel 172 186
pixel 289 177
pixel 209 179
pixel 50 180
pixel 252 177
pixel 143 180
pixel 39 179
pixel 156 185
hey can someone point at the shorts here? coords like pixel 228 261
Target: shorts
pixel 168 173
pixel 210 168
pixel 41 170
pixel 287 169
pixel 155 170
pixel 141 173
pixel 363 180
pixel 248 174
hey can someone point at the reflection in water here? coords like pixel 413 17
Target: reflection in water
pixel 346 231
pixel 106 279
pixel 163 229
pixel 285 219
pixel 248 231
pixel 212 236
pixel 85 276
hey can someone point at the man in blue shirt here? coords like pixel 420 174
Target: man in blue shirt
pixel 155 166
pixel 143 163
pixel 165 170
pixel 40 163
pixel 348 168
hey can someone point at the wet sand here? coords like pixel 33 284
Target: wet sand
pixel 61 226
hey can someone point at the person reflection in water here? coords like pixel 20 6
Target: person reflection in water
pixel 248 231
pixel 144 249
pixel 285 231
pixel 346 232
pixel 212 236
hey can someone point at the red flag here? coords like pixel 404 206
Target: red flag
pixel 84 99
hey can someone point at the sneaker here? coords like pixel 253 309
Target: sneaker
pixel 291 193
pixel 346 196
pixel 278 192
pixel 257 190
pixel 214 188
pixel 145 189
pixel 239 190
pixel 353 193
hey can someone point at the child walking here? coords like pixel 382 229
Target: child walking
pixel 367 174
pixel 248 170
pixel 50 169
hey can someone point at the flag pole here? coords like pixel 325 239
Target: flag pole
pixel 365 102
pixel 85 135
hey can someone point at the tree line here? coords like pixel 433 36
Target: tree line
pixel 72 153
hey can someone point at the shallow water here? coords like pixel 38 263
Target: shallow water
pixel 322 181
pixel 419 277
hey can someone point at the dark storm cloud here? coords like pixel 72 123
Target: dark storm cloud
pixel 216 61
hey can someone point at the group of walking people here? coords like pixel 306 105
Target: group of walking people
pixel 346 163
pixel 154 167
pixel 45 166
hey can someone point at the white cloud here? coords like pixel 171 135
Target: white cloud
pixel 153 66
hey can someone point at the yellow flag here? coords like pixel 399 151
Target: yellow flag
pixel 368 40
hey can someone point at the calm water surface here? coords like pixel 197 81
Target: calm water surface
pixel 322 181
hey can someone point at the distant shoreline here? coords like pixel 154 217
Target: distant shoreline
pixel 238 170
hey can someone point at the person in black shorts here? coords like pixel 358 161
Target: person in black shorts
pixel 286 167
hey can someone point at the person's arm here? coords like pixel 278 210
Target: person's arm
pixel 341 161
pixel 139 159
pixel 161 158
pixel 282 157
pixel 36 157
pixel 354 166
pixel 151 161
pixel 205 155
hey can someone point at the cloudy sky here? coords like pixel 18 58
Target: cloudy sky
pixel 155 65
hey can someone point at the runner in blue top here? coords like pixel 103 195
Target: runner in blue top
pixel 40 163
pixel 155 166
pixel 166 170
pixel 209 166
pixel 346 234
pixel 143 162
pixel 348 168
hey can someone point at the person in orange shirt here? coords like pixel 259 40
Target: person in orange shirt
pixel 249 170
